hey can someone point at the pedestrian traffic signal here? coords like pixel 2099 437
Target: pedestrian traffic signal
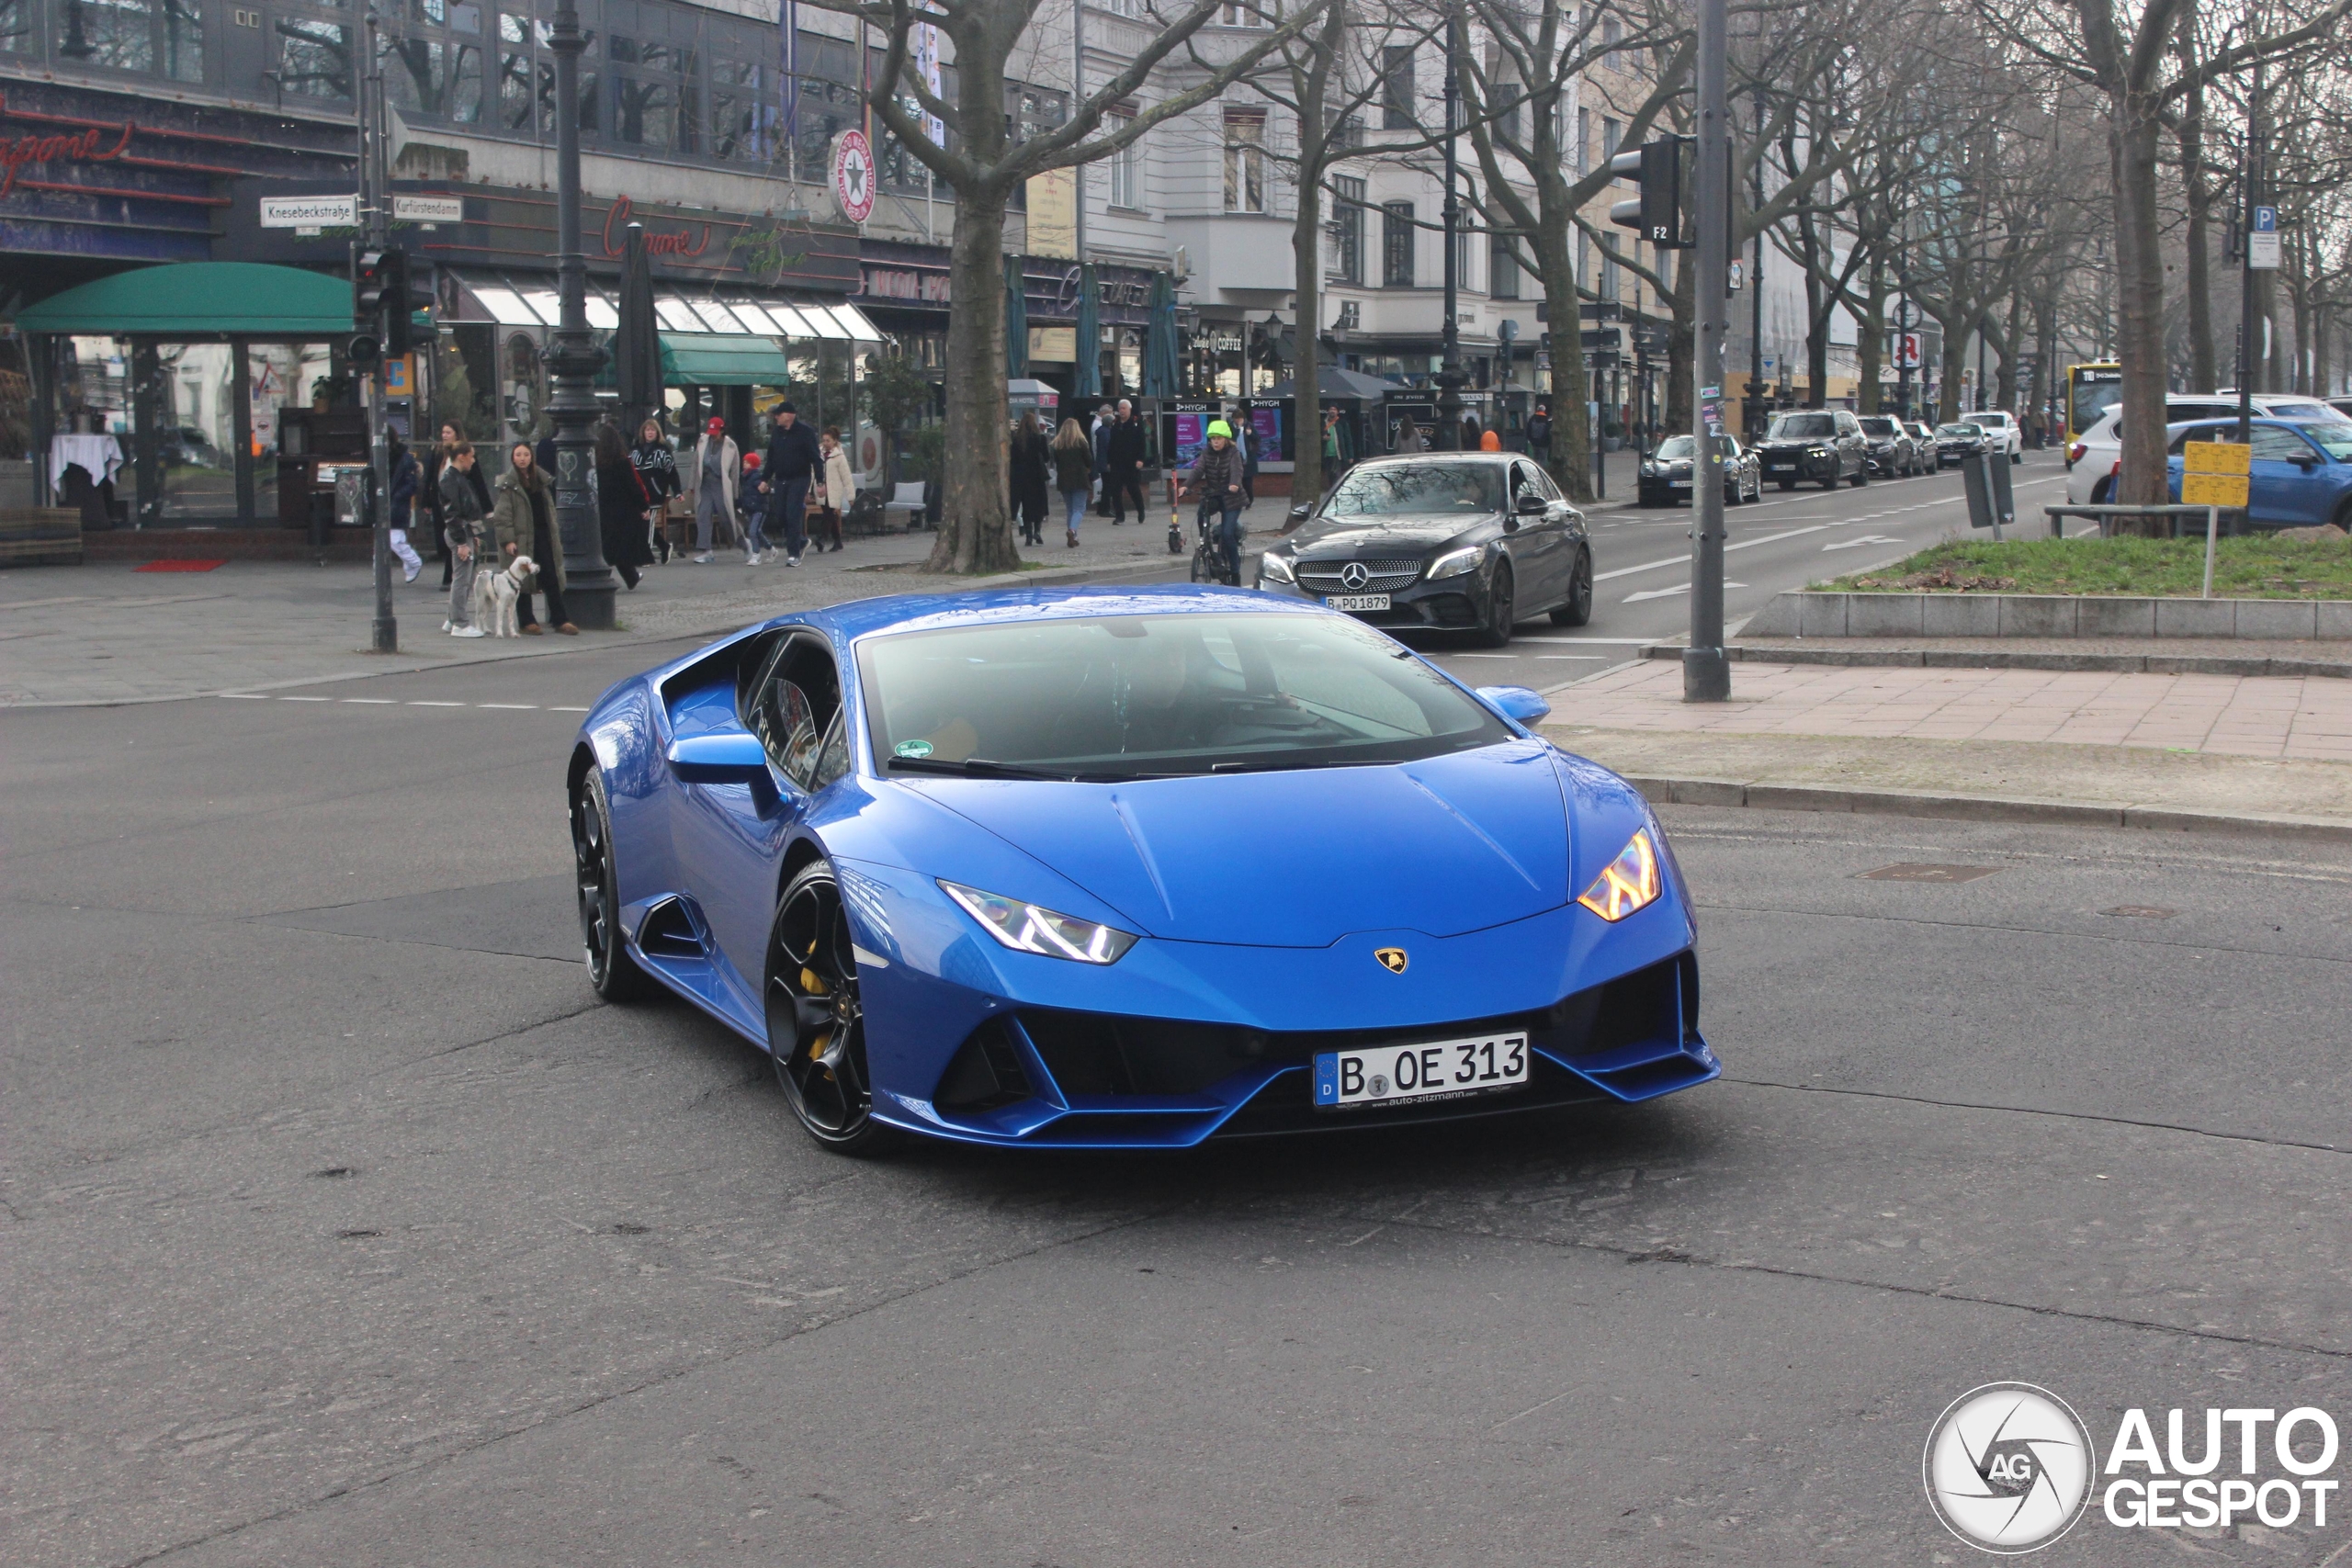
pixel 1658 215
pixel 363 350
pixel 381 300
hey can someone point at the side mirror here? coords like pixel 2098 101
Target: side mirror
pixel 1532 505
pixel 1301 514
pixel 1516 701
pixel 725 756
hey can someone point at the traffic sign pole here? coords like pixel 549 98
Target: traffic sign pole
pixel 1706 669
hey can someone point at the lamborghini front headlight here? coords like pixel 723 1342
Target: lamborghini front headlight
pixel 1032 928
pixel 1631 881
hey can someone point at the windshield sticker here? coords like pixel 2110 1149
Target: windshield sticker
pixel 911 748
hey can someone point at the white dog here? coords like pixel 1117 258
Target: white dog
pixel 496 592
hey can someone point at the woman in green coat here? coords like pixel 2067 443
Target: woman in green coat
pixel 523 518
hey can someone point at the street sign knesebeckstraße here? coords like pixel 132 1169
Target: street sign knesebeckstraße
pixel 310 211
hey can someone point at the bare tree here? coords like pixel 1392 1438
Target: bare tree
pixel 982 162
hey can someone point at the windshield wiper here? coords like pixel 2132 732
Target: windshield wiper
pixel 976 768
pixel 1285 767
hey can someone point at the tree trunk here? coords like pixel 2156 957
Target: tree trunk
pixel 2196 197
pixel 1870 340
pixel 1681 350
pixel 2133 130
pixel 1570 459
pixel 1955 350
pixel 975 528
pixel 2009 399
pixel 2045 379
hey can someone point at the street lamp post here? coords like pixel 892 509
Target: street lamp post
pixel 1706 668
pixel 1450 377
pixel 573 357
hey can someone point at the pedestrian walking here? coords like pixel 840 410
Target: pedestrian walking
pixel 461 526
pixel 620 504
pixel 523 520
pixel 402 499
pixel 791 468
pixel 657 471
pixel 1217 479
pixel 836 491
pixel 1100 435
pixel 1245 441
pixel 1337 448
pixel 1124 462
pixel 710 483
pixel 1073 474
pixel 1408 436
pixel 436 463
pixel 1030 457
pixel 1539 434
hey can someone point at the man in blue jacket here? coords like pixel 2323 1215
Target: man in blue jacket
pixel 792 462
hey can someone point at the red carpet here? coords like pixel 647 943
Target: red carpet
pixel 180 566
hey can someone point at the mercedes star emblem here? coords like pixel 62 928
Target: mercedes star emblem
pixel 1353 575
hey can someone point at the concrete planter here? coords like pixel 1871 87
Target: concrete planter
pixel 2049 616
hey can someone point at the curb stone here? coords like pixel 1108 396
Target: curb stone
pixel 1996 659
pixel 1696 791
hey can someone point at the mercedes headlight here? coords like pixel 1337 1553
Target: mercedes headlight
pixel 1820 451
pixel 1272 568
pixel 1453 563
pixel 1630 881
pixel 1031 928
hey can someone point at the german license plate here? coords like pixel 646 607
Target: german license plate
pixel 1678 484
pixel 1780 468
pixel 1356 602
pixel 1447 1070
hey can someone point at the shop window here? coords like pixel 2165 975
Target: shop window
pixel 314 58
pixel 738 114
pixel 160 38
pixel 16 27
pixel 417 76
pixel 1125 165
pixel 513 72
pixel 465 86
pixel 645 113
pixel 1245 162
pixel 826 108
pixel 1397 244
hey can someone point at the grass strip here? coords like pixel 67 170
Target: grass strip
pixel 2259 566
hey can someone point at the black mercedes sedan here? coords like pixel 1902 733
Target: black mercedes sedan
pixel 1816 447
pixel 1893 454
pixel 1666 473
pixel 1474 541
pixel 1959 440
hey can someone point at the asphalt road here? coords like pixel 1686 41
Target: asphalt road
pixel 344 1226
pixel 1642 564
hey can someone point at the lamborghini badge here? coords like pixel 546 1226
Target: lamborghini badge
pixel 1391 959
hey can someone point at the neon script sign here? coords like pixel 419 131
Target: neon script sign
pixel 675 243
pixel 80 146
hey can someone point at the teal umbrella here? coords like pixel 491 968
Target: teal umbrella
pixel 1160 378
pixel 1089 381
pixel 1016 319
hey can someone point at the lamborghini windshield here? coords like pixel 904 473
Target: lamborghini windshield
pixel 1116 698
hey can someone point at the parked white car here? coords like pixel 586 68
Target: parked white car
pixel 2094 459
pixel 2008 435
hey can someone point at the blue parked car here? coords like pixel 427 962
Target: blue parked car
pixel 2301 472
pixel 1126 868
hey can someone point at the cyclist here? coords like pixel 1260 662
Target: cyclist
pixel 1217 478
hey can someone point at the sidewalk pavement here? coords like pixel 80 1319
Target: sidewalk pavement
pixel 97 634
pixel 2264 750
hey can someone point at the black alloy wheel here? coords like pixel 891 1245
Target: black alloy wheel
pixel 815 1021
pixel 1502 612
pixel 611 971
pixel 1578 609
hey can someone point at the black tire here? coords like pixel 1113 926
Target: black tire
pixel 1831 482
pixel 1501 611
pixel 1578 611
pixel 2015 458
pixel 611 971
pixel 1786 484
pixel 1861 477
pixel 815 1025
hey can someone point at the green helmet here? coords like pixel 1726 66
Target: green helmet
pixel 1218 428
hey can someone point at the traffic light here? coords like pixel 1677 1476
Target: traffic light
pixel 1658 215
pixel 398 303
pixel 381 305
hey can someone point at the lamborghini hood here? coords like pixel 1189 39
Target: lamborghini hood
pixel 1444 846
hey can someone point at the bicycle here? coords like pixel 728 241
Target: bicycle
pixel 1210 563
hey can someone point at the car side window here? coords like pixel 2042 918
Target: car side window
pixel 1847 425
pixel 2204 432
pixel 2276 445
pixel 1522 482
pixel 796 710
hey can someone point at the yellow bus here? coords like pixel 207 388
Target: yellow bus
pixel 2092 389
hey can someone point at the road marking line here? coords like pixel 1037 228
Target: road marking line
pixel 373 700
pixel 566 710
pixel 516 706
pixel 247 696
pixel 420 703
pixel 305 699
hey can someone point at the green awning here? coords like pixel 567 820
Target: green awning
pixel 200 299
pixel 713 359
